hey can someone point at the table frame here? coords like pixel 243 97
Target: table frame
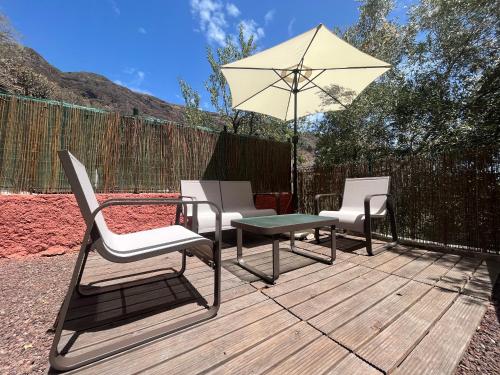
pixel 270 279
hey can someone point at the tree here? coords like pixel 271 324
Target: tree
pixel 443 89
pixel 195 117
pixel 15 75
pixel 242 122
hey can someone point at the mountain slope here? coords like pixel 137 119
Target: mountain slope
pixel 88 89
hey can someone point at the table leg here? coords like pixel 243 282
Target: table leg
pixel 239 243
pixel 333 248
pixel 276 257
pixel 312 255
pixel 243 264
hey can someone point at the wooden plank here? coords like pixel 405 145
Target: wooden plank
pixel 359 330
pixel 441 350
pixel 418 265
pixel 152 303
pixel 287 287
pixel 353 365
pixel 315 358
pixel 310 291
pixel 340 314
pixel 117 331
pixel 392 345
pixel 195 350
pixel 260 358
pixel 433 273
pixel 456 278
pixel 299 272
pixel 482 281
pixel 379 259
pixel 314 306
pixel 400 261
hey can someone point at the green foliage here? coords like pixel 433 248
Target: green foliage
pixel 194 116
pixel 443 90
pixel 236 121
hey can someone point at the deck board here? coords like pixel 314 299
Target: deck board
pixel 440 351
pixel 401 310
pixel 340 314
pixel 393 344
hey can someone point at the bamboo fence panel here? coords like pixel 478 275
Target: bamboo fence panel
pixel 450 199
pixel 126 153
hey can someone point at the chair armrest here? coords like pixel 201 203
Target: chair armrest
pixel 276 199
pixel 368 198
pixel 179 208
pixel 317 199
pixel 158 201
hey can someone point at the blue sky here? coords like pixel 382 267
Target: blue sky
pixel 147 45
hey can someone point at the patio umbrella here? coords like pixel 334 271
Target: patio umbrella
pixel 313 72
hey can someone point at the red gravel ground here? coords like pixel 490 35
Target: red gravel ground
pixel 483 353
pixel 32 289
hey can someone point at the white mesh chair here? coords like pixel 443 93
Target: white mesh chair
pixel 235 198
pixel 364 199
pixel 125 248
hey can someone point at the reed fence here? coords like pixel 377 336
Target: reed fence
pixel 450 199
pixel 126 153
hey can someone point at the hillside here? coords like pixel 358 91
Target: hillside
pixel 83 88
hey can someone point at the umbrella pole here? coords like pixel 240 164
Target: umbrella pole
pixel 295 141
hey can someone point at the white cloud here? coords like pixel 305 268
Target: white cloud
pixel 139 90
pixel 251 28
pixel 134 81
pixel 142 30
pixel 269 16
pixel 114 7
pixel 232 10
pixel 290 26
pixel 212 19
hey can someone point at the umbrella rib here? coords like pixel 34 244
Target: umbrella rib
pixel 312 79
pixel 327 93
pixel 301 62
pixel 282 78
pixel 252 68
pixel 355 67
pixel 281 88
pixel 312 69
pixel 288 105
pixel 258 92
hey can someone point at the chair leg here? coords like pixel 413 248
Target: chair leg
pixel 368 236
pixel 62 363
pixel 316 235
pixel 392 218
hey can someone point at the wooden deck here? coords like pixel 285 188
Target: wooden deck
pixel 404 311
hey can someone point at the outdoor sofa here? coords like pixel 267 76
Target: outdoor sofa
pixel 364 199
pixel 131 247
pixel 235 198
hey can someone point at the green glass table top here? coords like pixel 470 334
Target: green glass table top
pixel 281 220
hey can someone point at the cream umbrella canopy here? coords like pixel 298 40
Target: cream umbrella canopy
pixel 313 72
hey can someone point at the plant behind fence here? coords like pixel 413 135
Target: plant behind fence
pixel 450 199
pixel 126 153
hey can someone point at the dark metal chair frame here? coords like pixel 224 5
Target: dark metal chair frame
pixel 367 221
pixel 62 363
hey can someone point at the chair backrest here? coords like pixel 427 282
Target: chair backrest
pixel 236 195
pixel 207 190
pixel 82 188
pixel 356 189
